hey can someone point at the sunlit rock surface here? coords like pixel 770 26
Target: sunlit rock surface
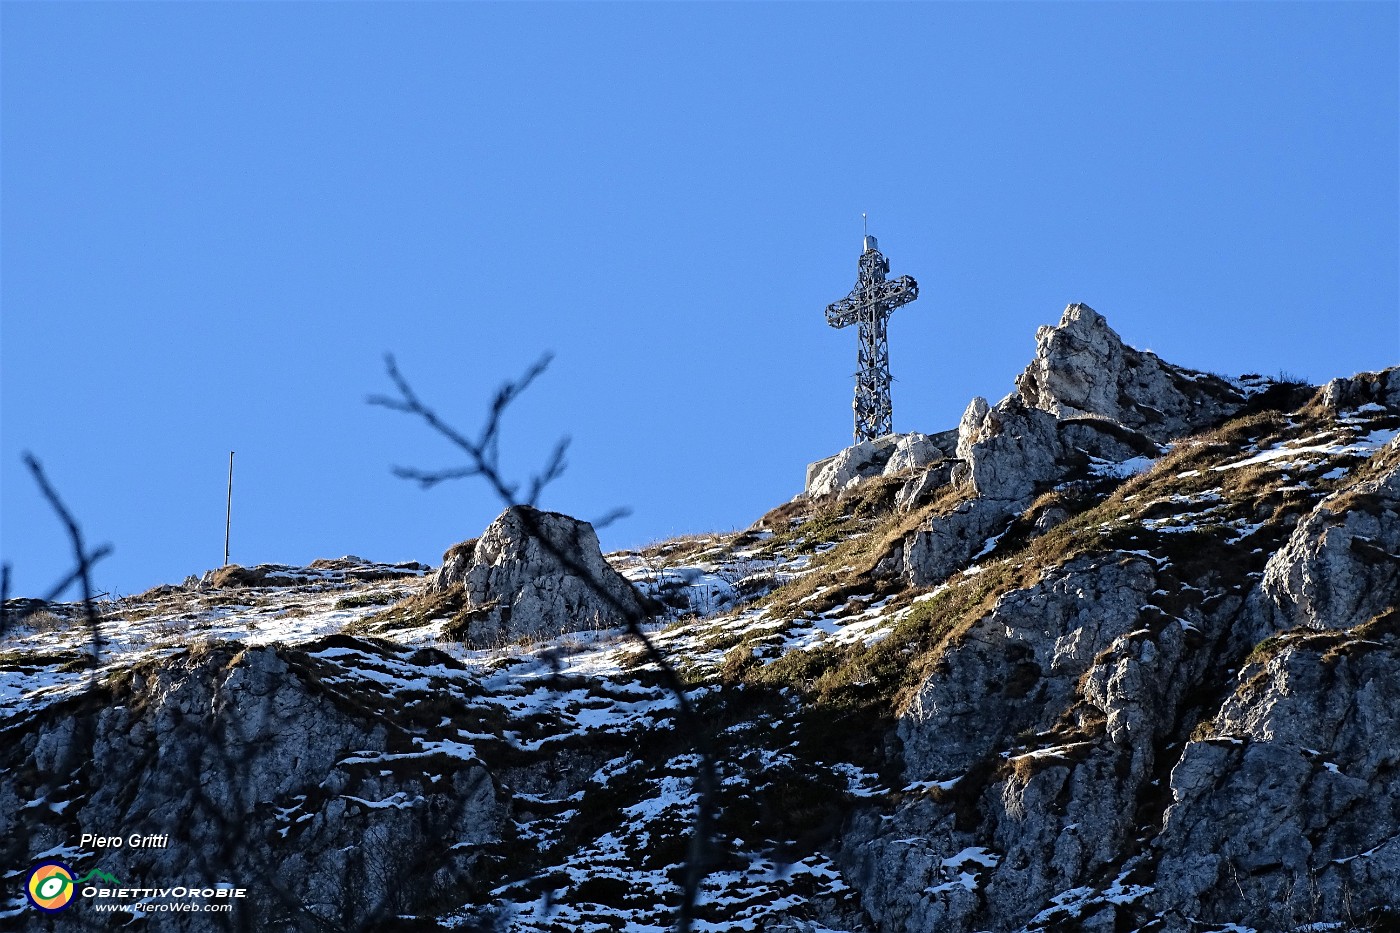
pixel 535 574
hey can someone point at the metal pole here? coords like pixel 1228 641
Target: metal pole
pixel 228 516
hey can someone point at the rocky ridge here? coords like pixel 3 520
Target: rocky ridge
pixel 1114 655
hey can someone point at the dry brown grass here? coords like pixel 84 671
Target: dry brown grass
pixel 865 554
pixel 738 661
pixel 460 549
pixel 1368 502
pixel 682 549
pixel 416 610
pixel 46 621
pixel 780 518
pixel 1315 406
pixel 868 531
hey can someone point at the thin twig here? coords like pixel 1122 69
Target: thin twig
pixel 610 517
pixel 74 576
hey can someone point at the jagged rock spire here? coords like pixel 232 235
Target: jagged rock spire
pixel 1082 367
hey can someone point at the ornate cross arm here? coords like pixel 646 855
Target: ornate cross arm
pixel 877 297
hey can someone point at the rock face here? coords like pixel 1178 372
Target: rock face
pixel 256 771
pixel 912 452
pixel 1377 390
pixel 846 469
pixel 1018 667
pixel 1010 451
pixel 516 586
pixel 925 483
pixel 1286 814
pixel 1187 727
pixel 1007 455
pixel 1082 367
pixel 1086 398
pixel 1338 568
pixel 1038 742
pixel 1284 810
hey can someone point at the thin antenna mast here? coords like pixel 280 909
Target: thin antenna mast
pixel 228 515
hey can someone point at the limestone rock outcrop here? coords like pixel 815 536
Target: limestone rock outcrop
pixel 535 574
pixel 911 452
pixel 1083 367
pixel 924 484
pixel 1086 398
pixel 1007 455
pixel 1285 812
pixel 1196 727
pixel 1086 394
pixel 858 462
pixel 1379 389
pixel 1341 565
pixel 1019 666
pixel 883 456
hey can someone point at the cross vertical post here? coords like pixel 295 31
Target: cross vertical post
pixel 869 305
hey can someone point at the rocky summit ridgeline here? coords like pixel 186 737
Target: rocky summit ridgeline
pixel 1118 652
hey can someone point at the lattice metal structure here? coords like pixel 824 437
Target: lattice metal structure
pixel 870 304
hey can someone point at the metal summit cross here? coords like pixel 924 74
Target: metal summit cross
pixel 870 304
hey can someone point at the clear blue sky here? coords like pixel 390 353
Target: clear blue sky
pixel 218 217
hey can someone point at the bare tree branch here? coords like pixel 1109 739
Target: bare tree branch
pixel 83 572
pixel 75 575
pixel 484 451
pixel 429 480
pixel 483 460
pixel 610 517
pixel 552 471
